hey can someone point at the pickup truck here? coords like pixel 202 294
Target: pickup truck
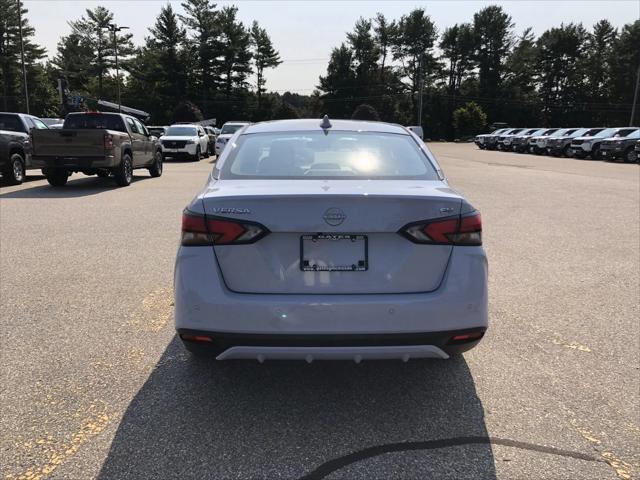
pixel 96 143
pixel 15 146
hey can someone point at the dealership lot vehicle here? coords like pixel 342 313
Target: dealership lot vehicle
pixel 96 143
pixel 582 147
pixel 520 142
pixel 15 145
pixel 212 134
pixel 157 130
pixel 538 144
pixel 185 141
pixel 331 277
pixel 509 141
pixel 621 147
pixel 500 142
pixel 481 140
pixel 558 144
pixel 227 131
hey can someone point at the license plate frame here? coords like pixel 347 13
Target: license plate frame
pixel 357 242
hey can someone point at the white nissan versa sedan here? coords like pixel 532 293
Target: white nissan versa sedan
pixel 329 239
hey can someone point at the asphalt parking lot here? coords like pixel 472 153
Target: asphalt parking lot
pixel 94 384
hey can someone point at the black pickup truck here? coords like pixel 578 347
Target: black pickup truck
pixel 96 143
pixel 15 146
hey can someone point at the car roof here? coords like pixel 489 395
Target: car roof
pixel 307 124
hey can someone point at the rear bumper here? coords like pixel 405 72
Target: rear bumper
pixel 204 304
pixel 335 347
pixel 79 163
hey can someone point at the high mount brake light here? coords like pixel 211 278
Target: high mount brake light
pixel 198 230
pixel 465 230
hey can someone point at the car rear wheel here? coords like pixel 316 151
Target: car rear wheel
pixel 124 173
pixel 57 178
pixel 630 156
pixel 156 168
pixel 14 175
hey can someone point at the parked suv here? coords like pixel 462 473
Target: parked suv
pixel 520 142
pixel 228 129
pixel 538 144
pixel 185 141
pixel 620 147
pixel 558 144
pixel 480 140
pixel 582 147
pixel 15 146
pixel 500 144
pixel 96 143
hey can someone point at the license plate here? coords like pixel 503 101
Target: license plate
pixel 334 253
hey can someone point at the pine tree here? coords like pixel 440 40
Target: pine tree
pixel 235 54
pixel 492 28
pixel 264 56
pixel 92 35
pixel 201 20
pixel 10 61
pixel 413 47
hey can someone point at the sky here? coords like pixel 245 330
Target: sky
pixel 305 31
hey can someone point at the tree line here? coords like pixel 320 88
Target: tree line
pixel 206 63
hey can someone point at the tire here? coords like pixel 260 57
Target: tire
pixel 595 154
pixel 14 175
pixel 155 170
pixel 103 173
pixel 630 156
pixel 57 178
pixel 198 155
pixel 124 173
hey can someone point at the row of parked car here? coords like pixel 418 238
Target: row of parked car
pixel 100 143
pixel 600 143
pixel 187 140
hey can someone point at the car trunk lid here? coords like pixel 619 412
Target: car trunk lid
pixel 333 224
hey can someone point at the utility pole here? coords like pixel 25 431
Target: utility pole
pixel 635 98
pixel 421 87
pixel 114 28
pixel 24 70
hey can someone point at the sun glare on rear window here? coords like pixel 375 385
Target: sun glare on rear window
pixel 337 154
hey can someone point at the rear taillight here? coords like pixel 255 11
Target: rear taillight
pixel 108 141
pixel 200 230
pixel 459 230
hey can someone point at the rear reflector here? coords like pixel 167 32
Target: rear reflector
pixel 196 338
pixel 198 230
pixel 458 230
pixel 466 337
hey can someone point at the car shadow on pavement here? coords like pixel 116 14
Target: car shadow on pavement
pixel 203 419
pixel 76 187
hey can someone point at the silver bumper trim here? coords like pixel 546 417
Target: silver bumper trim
pixel 357 354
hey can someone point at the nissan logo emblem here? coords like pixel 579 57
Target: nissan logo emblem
pixel 334 216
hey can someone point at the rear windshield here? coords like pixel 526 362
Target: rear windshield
pixel 181 132
pixel 337 154
pixel 11 123
pixel 94 120
pixel 229 129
